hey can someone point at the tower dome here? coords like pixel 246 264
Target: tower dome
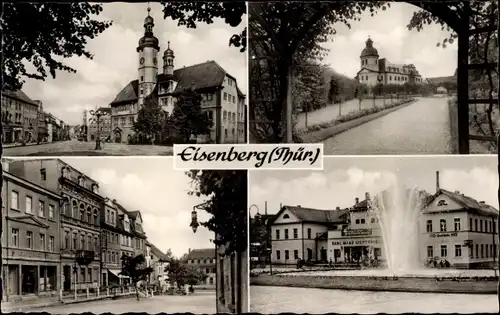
pixel 369 50
pixel 168 51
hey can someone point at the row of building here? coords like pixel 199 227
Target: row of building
pixel 25 121
pixel 60 233
pixel 222 100
pixel 450 227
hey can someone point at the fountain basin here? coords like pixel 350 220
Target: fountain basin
pixel 477 282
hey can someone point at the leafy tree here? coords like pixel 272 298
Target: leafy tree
pixel 63 31
pixel 134 267
pixel 361 92
pixel 176 272
pixel 334 90
pixel 227 204
pixel 187 118
pixel 194 275
pixel 150 119
pixel 189 13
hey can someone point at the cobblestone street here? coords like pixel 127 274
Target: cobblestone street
pixel 80 148
pixel 201 302
pixel 274 300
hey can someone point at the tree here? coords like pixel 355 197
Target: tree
pixel 194 275
pixel 66 29
pixel 227 205
pixel 176 272
pixel 360 92
pixel 134 267
pixel 150 119
pixel 189 13
pixel 187 118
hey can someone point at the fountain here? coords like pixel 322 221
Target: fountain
pixel 398 212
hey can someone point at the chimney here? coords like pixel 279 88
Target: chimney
pixel 281 205
pixel 265 208
pixel 482 202
pixel 298 206
pixel 337 208
pixel 356 201
pixel 437 181
pixel 367 196
pixel 114 200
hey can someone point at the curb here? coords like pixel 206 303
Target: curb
pixel 326 133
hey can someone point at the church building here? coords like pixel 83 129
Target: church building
pixel 223 102
pixel 375 70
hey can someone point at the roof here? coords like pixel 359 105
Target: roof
pixel 158 253
pixel 105 109
pixel 314 215
pixel 201 253
pixel 369 50
pixel 132 226
pixel 200 76
pixel 20 96
pixel 441 80
pixel 465 201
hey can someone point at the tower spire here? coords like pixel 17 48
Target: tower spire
pixel 149 8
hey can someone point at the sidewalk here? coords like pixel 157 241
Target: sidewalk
pixel 21 306
pixel 15 145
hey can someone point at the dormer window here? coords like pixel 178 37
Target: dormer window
pixel 286 216
pixel 81 181
pixel 95 188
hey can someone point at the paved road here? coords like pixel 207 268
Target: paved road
pixel 420 128
pixel 80 148
pixel 200 302
pixel 274 300
pixel 329 113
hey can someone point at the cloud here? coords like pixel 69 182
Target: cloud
pixel 480 183
pixel 115 61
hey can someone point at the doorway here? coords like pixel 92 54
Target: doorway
pixel 323 254
pixel 67 278
pixel 29 280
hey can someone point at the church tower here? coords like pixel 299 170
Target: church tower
pixel 148 63
pixel 369 56
pixel 168 61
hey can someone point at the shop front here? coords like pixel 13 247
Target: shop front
pixel 355 250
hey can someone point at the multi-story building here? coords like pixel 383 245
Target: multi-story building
pixel 31 262
pixel 159 262
pixel 80 221
pixel 104 125
pixel 375 70
pixel 111 234
pixel 139 239
pixel 19 117
pixel 42 123
pixel 459 229
pixel 223 102
pixel 203 259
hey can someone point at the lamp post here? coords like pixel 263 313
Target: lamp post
pixel 96 118
pixel 194 216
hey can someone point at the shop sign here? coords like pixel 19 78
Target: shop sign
pixel 356 242
pixel 357 232
pixel 443 234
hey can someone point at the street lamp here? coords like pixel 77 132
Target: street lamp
pixel 194 216
pixel 96 118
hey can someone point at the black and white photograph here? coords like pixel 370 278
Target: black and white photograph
pixel 122 78
pixel 374 235
pixel 122 235
pixel 375 77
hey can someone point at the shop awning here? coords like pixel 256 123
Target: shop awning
pixel 116 272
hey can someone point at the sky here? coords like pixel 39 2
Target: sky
pixel 159 192
pixel 345 178
pixel 115 62
pixel 394 41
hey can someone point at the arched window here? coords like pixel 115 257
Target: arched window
pixel 81 181
pixel 442 203
pixel 82 212
pixel 74 209
pixel 96 219
pixel 286 216
pixel 89 215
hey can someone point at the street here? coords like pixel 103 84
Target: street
pixel 80 148
pixel 201 302
pixel 420 128
pixel 274 300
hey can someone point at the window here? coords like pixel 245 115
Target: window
pixel 286 234
pixel 82 242
pixel 89 243
pixel 309 232
pixel 89 216
pixel 295 233
pixel 43 174
pixel 29 204
pixel 442 203
pixel 357 221
pixel 225 96
pixel 295 254
pixel 457 224
pixel 475 225
pixel 74 241
pixel 482 250
pixel 142 78
pixel 277 234
pixel 363 221
pixel 42 242
pixel 66 240
pixel 287 254
pixel 430 251
pixel 486 250
pixel 458 250
pixel 480 225
pixel 286 216
pixel 80 181
pixel 15 237
pixel 14 200
pixel 278 255
pixel 51 211
pixel 41 209
pixel 470 224
pixel 29 239
pixel 442 224
pixel 444 251
pixel 96 247
pixel 477 250
pixel 429 226
pixel 51 243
